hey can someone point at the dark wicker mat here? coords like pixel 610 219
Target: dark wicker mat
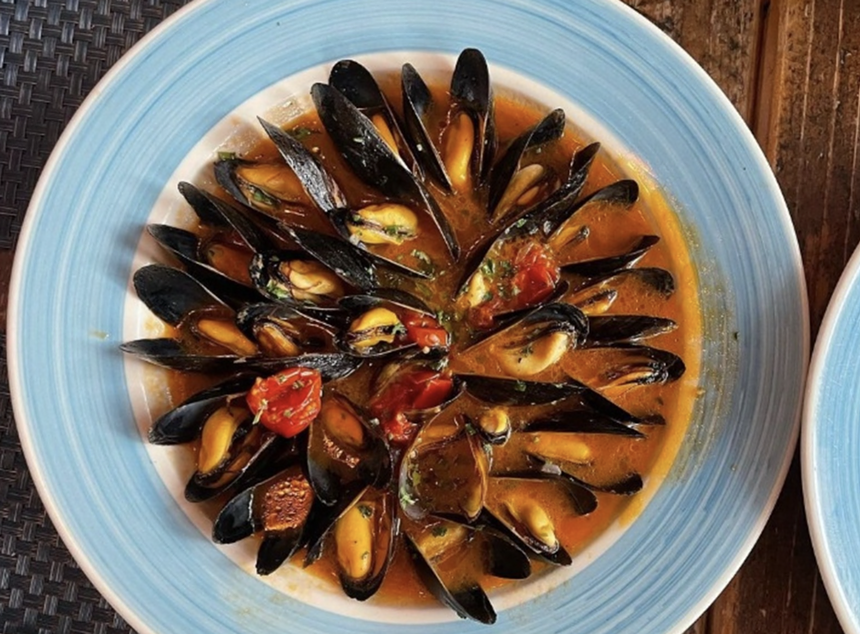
pixel 52 53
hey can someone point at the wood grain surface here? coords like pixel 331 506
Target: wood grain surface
pixel 792 69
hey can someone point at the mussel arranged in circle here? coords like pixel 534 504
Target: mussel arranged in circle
pixel 420 346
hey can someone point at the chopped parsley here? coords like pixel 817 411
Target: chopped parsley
pixel 426 262
pixel 488 267
pixel 227 156
pixel 263 405
pixel 301 132
pixel 406 498
pixel 261 197
pixel 277 291
pixel 439 531
pixel 520 386
pixel 487 296
pixel 365 510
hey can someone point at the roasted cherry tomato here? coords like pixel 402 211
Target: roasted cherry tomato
pixel 425 331
pixel 536 275
pixel 418 389
pixel 288 401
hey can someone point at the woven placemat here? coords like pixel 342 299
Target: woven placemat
pixel 52 53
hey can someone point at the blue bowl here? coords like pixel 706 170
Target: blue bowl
pixel 830 447
pixel 70 285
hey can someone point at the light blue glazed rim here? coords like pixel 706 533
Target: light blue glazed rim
pixel 74 257
pixel 830 446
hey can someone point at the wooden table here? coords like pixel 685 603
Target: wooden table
pixel 791 68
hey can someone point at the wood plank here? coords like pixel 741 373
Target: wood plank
pixel 724 37
pixel 806 119
pixel 791 69
pixel 721 35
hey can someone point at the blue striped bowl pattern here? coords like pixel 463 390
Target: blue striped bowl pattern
pixel 831 446
pixel 69 306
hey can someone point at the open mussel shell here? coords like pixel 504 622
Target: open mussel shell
pixel 609 330
pixel 285 331
pixel 373 161
pixel 262 186
pixel 202 205
pixel 514 392
pixel 169 293
pixel 643 365
pixel 186 247
pixel 344 450
pixel 472 96
pixel 350 264
pixel 619 195
pixel 280 507
pixel 510 179
pixel 521 515
pixel 417 104
pixel 363 528
pixel 445 475
pixel 228 460
pixel 357 84
pixel 612 264
pixel 364 537
pixel 539 221
pixel 464 596
pixel 538 340
pixel 183 423
pixel 169 353
pixel 315 179
pixel 626 484
pixel 579 420
pixel 545 217
pixel 597 295
pixel 377 326
pixel 323 272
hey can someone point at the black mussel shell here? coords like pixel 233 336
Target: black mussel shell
pixel 241 518
pixel 472 93
pixel 169 353
pixel 202 205
pixel 334 465
pixel 417 102
pixel 514 392
pixel 183 423
pixel 369 156
pixel 608 330
pixel 186 247
pixel 169 293
pixel 548 129
pixel 317 182
pixel 613 264
pixel 469 601
pixel 270 453
pixel 580 421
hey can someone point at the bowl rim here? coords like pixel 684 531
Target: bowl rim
pixel 810 459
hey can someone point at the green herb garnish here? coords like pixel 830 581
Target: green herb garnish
pixel 301 132
pixel 488 267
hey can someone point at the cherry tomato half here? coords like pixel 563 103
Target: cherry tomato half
pixel 425 331
pixel 536 275
pixel 288 401
pixel 418 389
